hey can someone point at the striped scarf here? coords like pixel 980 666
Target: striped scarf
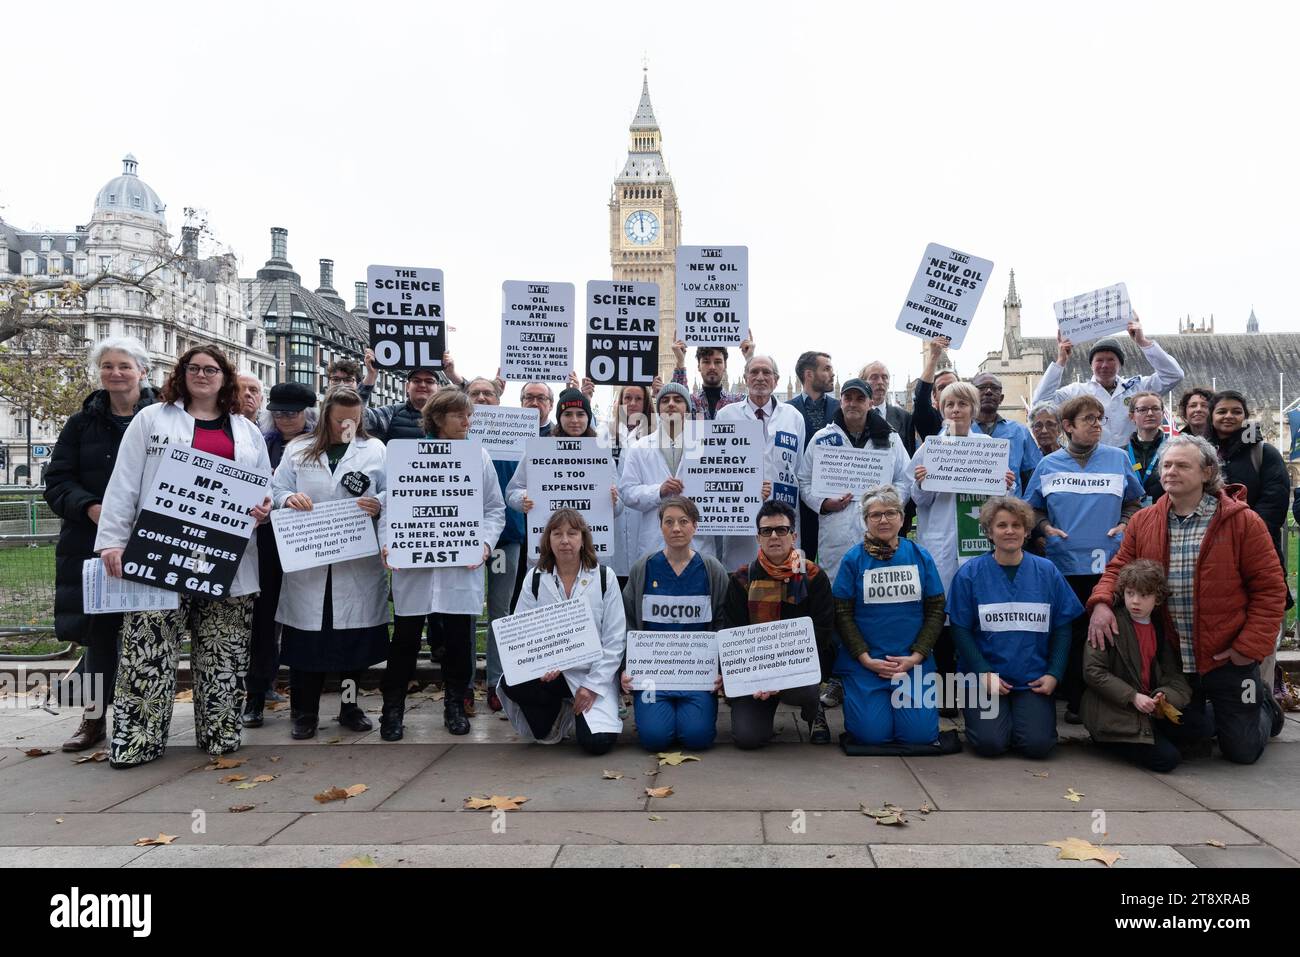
pixel 787 582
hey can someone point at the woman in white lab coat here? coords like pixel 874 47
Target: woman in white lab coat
pixel 583 698
pixel 335 617
pixel 631 420
pixel 454 594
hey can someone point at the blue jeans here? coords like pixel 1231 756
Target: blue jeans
pixel 690 717
pixel 1025 722
pixel 870 716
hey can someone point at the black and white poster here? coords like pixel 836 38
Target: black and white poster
pixel 194 523
pixel 576 474
pixel 622 332
pixel 536 331
pixel 712 303
pixel 944 294
pixel 434 514
pixel 504 431
pixel 722 473
pixel 407 325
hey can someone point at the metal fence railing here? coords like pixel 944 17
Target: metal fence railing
pixel 28 532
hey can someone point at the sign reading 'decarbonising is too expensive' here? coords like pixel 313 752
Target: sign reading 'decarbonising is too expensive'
pixel 407 326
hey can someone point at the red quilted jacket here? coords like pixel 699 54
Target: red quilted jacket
pixel 1240 592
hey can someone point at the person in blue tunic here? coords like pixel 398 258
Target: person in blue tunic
pixel 676 589
pixel 1083 496
pixel 1011 614
pixel 889 606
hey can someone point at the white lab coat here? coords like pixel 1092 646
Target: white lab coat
pixel 1117 428
pixel 627 521
pixel 644 471
pixel 359 588
pixel 450 591
pixel 781 463
pixel 837 532
pixel 153 429
pixel 607 612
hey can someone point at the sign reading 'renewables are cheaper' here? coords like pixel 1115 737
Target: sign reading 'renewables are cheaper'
pixel 504 431
pixel 434 514
pixel 551 638
pixel 576 474
pixel 672 660
pixel 722 473
pixel 1094 314
pixel 841 470
pixel 330 532
pixel 966 463
pixel 771 656
pixel 407 325
pixel 944 294
pixel 194 523
pixel 712 303
pixel 622 332
pixel 536 331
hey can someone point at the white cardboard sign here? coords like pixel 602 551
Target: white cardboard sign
pixel 841 469
pixel 550 638
pixel 336 531
pixel 504 431
pixel 434 514
pixel 672 660
pixel 576 474
pixel 536 331
pixel 712 303
pixel 102 594
pixel 722 473
pixel 966 463
pixel 1094 314
pixel 771 656
pixel 944 294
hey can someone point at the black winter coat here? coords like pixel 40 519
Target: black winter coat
pixel 1268 488
pixel 79 470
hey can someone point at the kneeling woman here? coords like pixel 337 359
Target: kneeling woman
pixel 1011 614
pixel 335 616
pixel 695 587
pixel 585 697
pixel 889 608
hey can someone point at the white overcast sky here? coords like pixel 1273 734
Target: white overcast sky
pixel 1081 144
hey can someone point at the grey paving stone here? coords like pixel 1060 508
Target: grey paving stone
pixel 966 781
pixel 992 855
pixel 1279 828
pixel 54 783
pixel 553 778
pixel 301 774
pixel 743 855
pixel 540 827
pixel 1005 827
pixel 78 856
pixel 221 827
pixel 1268 783
pixel 408 855
pixel 1258 856
pixel 785 777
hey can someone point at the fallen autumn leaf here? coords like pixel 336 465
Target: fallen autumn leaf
pixel 612 775
pixel 1072 795
pixel 1076 849
pixel 659 792
pixel 240 808
pixel 674 758
pixel 495 801
pixel 151 841
pixel 365 860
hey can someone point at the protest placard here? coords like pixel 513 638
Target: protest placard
pixel 536 331
pixel 551 638
pixel 194 523
pixel 331 532
pixel 576 474
pixel 722 473
pixel 966 463
pixel 944 294
pixel 434 514
pixel 101 594
pixel 622 332
pixel 1094 314
pixel 841 469
pixel 407 324
pixel 771 656
pixel 712 301
pixel 672 660
pixel 504 431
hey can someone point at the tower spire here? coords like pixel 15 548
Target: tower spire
pixel 1013 299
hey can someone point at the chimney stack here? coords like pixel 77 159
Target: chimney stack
pixel 326 275
pixel 279 243
pixel 363 296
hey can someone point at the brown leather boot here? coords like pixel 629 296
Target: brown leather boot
pixel 89 733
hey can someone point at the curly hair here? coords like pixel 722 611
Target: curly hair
pixel 175 388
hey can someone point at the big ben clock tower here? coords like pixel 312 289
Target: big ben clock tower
pixel 645 223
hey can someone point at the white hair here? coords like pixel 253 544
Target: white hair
pixel 776 373
pixel 1209 458
pixel 128 344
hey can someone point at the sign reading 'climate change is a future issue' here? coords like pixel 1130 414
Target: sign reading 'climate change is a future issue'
pixel 407 325
pixel 434 514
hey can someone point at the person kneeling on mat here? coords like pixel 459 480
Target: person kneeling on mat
pixel 584 697
pixel 779 585
pixel 889 608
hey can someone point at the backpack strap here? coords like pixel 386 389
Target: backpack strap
pixel 537 581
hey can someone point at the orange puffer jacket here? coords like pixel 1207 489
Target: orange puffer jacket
pixel 1240 592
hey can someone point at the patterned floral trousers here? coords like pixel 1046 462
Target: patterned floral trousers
pixel 219 633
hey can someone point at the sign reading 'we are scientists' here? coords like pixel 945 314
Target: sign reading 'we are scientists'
pixel 407 325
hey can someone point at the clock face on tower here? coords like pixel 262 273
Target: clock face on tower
pixel 641 227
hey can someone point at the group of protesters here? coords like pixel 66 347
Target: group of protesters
pixel 1131 570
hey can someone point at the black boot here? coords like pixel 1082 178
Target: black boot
pixel 354 719
pixel 253 708
pixel 304 725
pixel 390 720
pixel 453 713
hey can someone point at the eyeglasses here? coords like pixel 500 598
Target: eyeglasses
pixel 989 388
pixel 342 379
pixel 287 415
pixel 207 372
pixel 1042 426
pixel 883 516
pixel 1092 420
pixel 536 400
pixel 780 531
pixel 1148 410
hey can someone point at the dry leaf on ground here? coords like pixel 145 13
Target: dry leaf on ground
pixel 891 814
pixel 274 758
pixel 656 818
pixel 276 705
pixel 240 808
pixel 924 808
pixel 1077 849
pixel 1036 774
pixel 224 763
pixel 247 785
pixel 355 789
pixel 232 778
pixel 263 778
pixel 495 801
pixel 186 695
pixel 1072 795
pixel 674 758
pixel 365 860
pixel 1167 711
pixel 334 741
pixel 340 794
pixel 611 775
pixel 151 841
pixel 1214 843
pixel 97 757
pixel 38 752
pixel 659 792
pixel 58 820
